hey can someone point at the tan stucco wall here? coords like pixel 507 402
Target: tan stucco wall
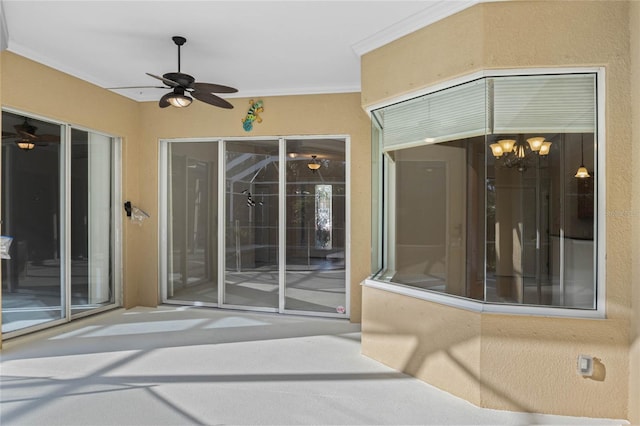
pixel 525 363
pixel 338 114
pixel 417 337
pixel 634 355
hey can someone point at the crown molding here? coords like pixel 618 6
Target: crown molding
pixel 433 13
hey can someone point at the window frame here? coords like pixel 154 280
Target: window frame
pixel 599 198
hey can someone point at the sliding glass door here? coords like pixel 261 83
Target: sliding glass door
pixel 251 224
pixel 59 221
pixel 32 291
pixel 281 222
pixel 315 255
pixel 92 221
pixel 192 193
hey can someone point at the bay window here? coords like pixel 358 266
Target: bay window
pixel 487 190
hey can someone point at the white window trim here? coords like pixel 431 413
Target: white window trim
pixel 600 197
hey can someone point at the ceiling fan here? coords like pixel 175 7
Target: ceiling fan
pixel 26 137
pixel 182 85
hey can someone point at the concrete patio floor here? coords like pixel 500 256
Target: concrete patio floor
pixel 183 365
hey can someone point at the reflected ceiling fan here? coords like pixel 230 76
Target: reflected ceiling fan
pixel 182 85
pixel 26 137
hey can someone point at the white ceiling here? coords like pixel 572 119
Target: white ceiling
pixel 261 47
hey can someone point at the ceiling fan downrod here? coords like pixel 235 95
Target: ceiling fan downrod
pixel 179 41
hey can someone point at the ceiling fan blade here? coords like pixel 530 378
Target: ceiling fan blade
pixel 213 88
pixel 25 135
pixel 47 138
pixel 165 80
pixel 163 100
pixel 211 99
pixel 137 87
pixel 9 135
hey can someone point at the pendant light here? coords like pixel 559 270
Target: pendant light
pixel 582 172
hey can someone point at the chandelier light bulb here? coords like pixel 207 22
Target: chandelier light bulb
pixel 535 143
pixel 507 145
pixel 496 150
pixel 545 148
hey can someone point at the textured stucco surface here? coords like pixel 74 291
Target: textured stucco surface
pixel 634 353
pixel 399 332
pixel 528 363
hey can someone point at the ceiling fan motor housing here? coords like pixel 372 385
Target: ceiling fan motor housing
pixel 183 80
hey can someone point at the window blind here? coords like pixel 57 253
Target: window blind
pixel 544 103
pixel 455 113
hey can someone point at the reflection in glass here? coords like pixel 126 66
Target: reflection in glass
pixel 315 256
pixel 31 277
pixel 324 216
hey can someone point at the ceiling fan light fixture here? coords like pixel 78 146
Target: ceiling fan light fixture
pixel 25 145
pixel 313 165
pixel 178 99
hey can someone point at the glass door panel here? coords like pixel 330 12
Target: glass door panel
pixel 91 221
pixel 251 224
pixel 31 213
pixel 192 206
pixel 315 234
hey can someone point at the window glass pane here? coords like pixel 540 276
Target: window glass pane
pixel 541 223
pixel 431 235
pixel 578 284
pixel 31 270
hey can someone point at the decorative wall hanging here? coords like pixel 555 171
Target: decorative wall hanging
pixel 255 109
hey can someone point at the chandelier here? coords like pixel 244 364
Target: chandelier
pixel 514 153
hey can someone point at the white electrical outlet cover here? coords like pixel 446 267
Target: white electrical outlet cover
pixel 585 365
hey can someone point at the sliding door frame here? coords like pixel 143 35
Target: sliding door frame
pixel 163 223
pixel 64 167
